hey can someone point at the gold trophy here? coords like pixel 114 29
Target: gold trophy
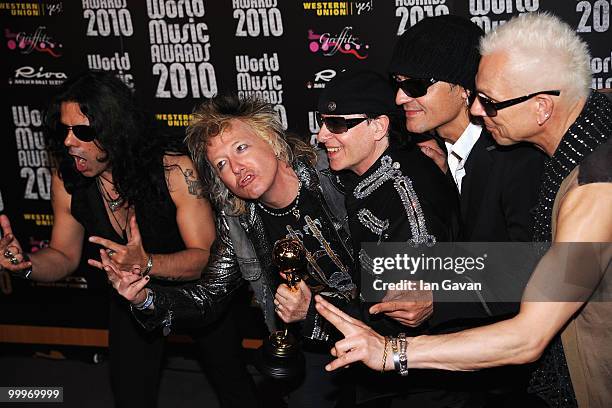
pixel 280 357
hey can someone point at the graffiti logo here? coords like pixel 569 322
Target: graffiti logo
pixel 345 42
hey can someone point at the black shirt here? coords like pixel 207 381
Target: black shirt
pixel 329 264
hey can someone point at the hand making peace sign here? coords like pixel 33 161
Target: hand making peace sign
pixel 360 342
pixel 123 256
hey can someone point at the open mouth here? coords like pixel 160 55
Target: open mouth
pixel 332 150
pixel 246 180
pixel 79 162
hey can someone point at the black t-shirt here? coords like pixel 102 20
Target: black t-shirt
pixel 329 264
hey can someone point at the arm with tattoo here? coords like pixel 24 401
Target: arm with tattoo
pixel 194 218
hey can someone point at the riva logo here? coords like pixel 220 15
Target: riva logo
pixel 321 78
pixel 28 75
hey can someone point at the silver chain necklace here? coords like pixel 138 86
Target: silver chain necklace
pixel 115 204
pixel 293 210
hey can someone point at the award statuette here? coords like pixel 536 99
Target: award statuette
pixel 280 357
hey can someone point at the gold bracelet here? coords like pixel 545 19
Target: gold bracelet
pixel 384 363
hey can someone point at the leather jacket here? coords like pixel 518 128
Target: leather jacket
pixel 240 254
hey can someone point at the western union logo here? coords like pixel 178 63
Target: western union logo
pixel 329 8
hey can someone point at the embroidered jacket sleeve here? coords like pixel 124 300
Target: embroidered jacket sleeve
pixel 200 302
pixel 340 291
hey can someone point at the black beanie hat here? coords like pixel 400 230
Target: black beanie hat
pixel 353 92
pixel 444 48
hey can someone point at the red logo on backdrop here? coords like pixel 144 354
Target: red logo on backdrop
pixel 38 41
pixel 345 43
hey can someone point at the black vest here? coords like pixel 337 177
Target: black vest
pixel 159 230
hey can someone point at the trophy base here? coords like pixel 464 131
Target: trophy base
pixel 280 361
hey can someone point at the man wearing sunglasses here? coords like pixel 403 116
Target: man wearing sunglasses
pixel 534 84
pixel 358 118
pixel 393 193
pixel 111 169
pixel 434 64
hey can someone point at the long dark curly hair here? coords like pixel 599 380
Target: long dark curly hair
pixel 131 144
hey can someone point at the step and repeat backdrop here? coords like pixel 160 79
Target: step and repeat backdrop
pixel 175 53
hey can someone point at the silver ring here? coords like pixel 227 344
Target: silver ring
pixel 8 253
pixel 111 252
pixel 14 260
pixel 17 251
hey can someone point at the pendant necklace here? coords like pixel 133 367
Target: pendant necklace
pixel 115 204
pixel 293 210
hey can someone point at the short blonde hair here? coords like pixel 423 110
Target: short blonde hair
pixel 546 38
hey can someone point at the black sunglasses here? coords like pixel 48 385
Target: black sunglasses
pixel 414 87
pixel 491 107
pixel 338 124
pixel 83 132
